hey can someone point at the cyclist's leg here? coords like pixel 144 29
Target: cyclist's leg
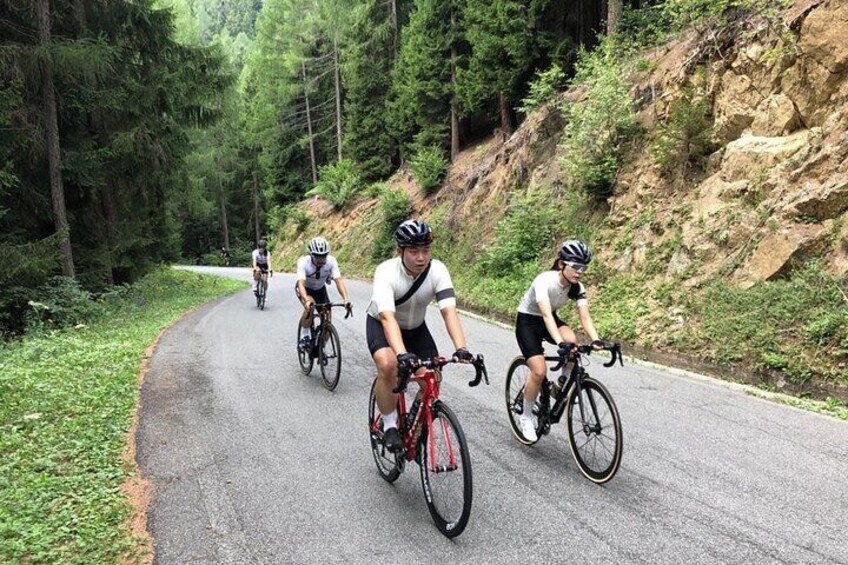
pixel 255 279
pixel 386 363
pixel 530 332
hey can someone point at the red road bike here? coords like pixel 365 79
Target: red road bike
pixel 433 438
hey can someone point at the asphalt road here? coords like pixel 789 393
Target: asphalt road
pixel 253 462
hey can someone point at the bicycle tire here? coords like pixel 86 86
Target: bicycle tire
pixel 387 462
pixel 303 357
pixel 452 456
pixel 330 373
pixel 584 441
pixel 516 378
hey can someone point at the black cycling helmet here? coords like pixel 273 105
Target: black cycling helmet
pixel 575 251
pixel 413 233
pixel 262 244
pixel 318 247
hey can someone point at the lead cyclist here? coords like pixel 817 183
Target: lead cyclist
pixel 397 333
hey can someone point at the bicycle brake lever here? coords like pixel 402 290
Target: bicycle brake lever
pixel 401 387
pixel 480 372
pixel 615 355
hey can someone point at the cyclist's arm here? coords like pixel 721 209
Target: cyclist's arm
pixel 586 322
pixel 392 331
pixel 454 327
pixel 550 323
pixel 342 289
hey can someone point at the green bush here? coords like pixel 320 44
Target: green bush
pixel 395 207
pixel 429 167
pixel 599 125
pixel 543 88
pixel 61 303
pixel 685 13
pixel 338 183
pixel 526 233
pixel 684 138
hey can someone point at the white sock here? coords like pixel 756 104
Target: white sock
pixel 304 332
pixel 390 420
pixel 528 408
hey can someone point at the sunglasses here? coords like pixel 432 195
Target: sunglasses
pixel 576 267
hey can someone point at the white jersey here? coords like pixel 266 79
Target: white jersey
pixel 391 282
pixel 260 258
pixel 316 277
pixel 546 286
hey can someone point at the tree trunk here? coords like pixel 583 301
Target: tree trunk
pixel 255 204
pixel 454 150
pixel 338 98
pixel 506 113
pixel 225 228
pixel 613 16
pixel 394 27
pixel 309 123
pixel 51 134
pixel 107 192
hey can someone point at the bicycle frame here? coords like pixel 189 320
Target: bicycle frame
pixel 321 312
pixel 429 381
pixel 553 414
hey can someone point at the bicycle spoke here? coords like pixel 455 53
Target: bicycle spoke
pixel 446 472
pixel 596 441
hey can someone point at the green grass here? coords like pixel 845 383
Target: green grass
pixel 67 399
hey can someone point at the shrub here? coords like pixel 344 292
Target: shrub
pixel 60 303
pixel 395 208
pixel 543 88
pixel 338 183
pixel 525 234
pixel 598 126
pixel 429 167
pixel 684 139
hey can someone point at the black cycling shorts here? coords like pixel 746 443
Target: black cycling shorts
pixel 530 331
pixel 262 268
pixel 320 296
pixel 417 340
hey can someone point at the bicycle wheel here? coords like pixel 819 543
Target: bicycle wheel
pixel 516 378
pixel 330 357
pixel 596 442
pixel 303 357
pixel 388 463
pixel 446 471
pixel 263 285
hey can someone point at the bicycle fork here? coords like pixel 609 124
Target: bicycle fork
pixel 588 428
pixel 432 451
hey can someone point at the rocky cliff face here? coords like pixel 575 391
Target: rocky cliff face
pixel 775 193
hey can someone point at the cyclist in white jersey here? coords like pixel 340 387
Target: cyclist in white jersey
pixel 314 272
pixel 261 262
pixel 397 334
pixel 537 320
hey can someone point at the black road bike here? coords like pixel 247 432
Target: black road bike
pixel 262 289
pixel 324 346
pixel 591 417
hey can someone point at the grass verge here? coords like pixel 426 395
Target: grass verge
pixel 67 401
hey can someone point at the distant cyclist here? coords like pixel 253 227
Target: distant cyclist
pixel 314 272
pixel 537 320
pixel 261 263
pixel 395 328
pixel 225 257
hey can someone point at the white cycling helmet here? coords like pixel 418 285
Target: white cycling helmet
pixel 319 247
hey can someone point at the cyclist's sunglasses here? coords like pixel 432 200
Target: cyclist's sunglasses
pixel 577 267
